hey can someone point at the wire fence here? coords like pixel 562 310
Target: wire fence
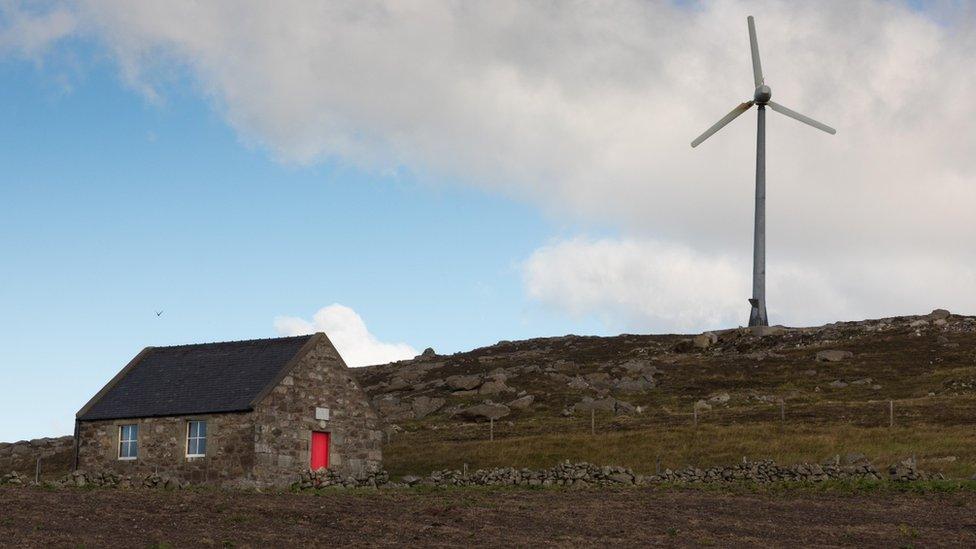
pixel 887 413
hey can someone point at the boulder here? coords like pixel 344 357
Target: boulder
pixel 702 405
pixel 494 387
pixel 705 340
pixel 424 406
pixel 720 398
pixel 639 367
pixel 392 408
pixel 522 403
pixel 498 374
pixel 684 346
pixel 939 314
pixel 578 383
pixel 480 412
pixel 833 356
pixel 463 383
pixel 622 407
pixel 397 384
pixel 629 386
pixel 621 478
pixel 428 353
pixel 598 378
pixel 838 384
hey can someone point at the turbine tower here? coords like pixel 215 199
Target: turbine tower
pixel 761 99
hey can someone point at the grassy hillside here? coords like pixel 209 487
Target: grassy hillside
pixel 757 397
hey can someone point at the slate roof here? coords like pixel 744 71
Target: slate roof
pixel 195 379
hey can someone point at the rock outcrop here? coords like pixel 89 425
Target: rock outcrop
pixel 483 412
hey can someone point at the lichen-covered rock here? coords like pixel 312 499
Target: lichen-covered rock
pixel 705 340
pixel 833 356
pixel 463 383
pixel 423 406
pixel 494 387
pixel 939 314
pixel 521 403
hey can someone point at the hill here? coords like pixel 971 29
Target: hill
pixel 887 389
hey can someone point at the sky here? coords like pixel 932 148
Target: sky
pixel 404 175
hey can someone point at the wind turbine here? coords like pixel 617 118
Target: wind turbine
pixel 757 316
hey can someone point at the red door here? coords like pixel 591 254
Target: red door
pixel 320 450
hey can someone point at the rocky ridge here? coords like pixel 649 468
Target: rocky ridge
pixel 572 375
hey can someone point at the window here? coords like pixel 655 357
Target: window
pixel 196 438
pixel 128 441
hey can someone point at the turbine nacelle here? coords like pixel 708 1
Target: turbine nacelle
pixel 763 95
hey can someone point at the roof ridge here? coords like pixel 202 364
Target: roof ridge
pixel 285 338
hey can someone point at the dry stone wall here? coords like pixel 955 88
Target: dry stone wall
pixel 586 474
pixel 566 474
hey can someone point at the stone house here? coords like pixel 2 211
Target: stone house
pixel 240 413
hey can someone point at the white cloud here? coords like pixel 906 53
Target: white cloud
pixel 650 285
pixel 29 32
pixel 348 333
pixel 587 109
pixel 644 283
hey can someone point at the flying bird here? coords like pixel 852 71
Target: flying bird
pixel 159 313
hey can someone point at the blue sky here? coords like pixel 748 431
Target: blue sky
pixel 113 207
pixel 457 174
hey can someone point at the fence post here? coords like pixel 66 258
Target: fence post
pixel 37 471
pixel 695 414
pixel 891 413
pixel 592 421
pixel 782 410
pixel 657 465
pixel 491 428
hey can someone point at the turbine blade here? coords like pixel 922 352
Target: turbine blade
pixel 721 123
pixel 802 118
pixel 757 74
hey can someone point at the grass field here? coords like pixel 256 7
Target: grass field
pixel 949 450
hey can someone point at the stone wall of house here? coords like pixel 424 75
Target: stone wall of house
pixel 285 420
pixel 162 449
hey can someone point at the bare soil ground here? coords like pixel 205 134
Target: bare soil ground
pixel 626 517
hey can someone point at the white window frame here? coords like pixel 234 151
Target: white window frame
pixel 189 438
pixel 133 441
